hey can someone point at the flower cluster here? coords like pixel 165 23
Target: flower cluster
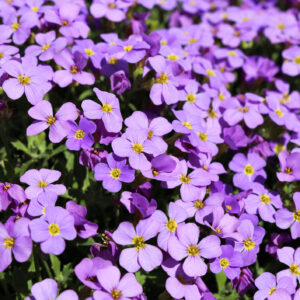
pixel 200 112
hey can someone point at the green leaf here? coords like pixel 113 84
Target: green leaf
pixel 141 278
pixel 21 147
pixel 55 263
pixel 221 280
pixel 70 160
pixel 85 94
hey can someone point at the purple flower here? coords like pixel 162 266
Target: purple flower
pixel 84 228
pixel 80 136
pixel 191 183
pixel 58 123
pixel 237 111
pixel 86 271
pixel 234 57
pixel 262 201
pixel 119 82
pixel 142 255
pixel 270 288
pixel 113 10
pixel 113 173
pixel 52 230
pixel 291 65
pixel 155 128
pixel 235 137
pixel 169 226
pixel 186 245
pixel 285 218
pixel 131 50
pixel 164 88
pixel 243 282
pixel 67 17
pixel 40 181
pixel 47 290
pixel 289 165
pixel 248 169
pixel 37 206
pixel 230 262
pixel 73 69
pixel 109 112
pixel 47 46
pixel 10 192
pixel 14 238
pixel 134 144
pixel 115 287
pixel 291 258
pixel 27 78
pixel 251 238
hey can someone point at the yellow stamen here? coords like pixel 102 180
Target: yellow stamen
pixel 171 225
pixel 193 250
pixel 107 108
pixel 138 148
pixel 79 134
pixel 54 229
pixel 115 173
pixel 139 242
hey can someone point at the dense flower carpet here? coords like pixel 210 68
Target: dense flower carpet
pixel 149 149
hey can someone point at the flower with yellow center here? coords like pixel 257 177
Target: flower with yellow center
pixel 54 229
pixel 163 78
pixel 128 48
pixel 171 225
pixel 24 80
pixel 221 97
pixel 193 250
pixel 218 230
pixel 212 114
pixel 155 172
pixel 210 73
pixel 249 244
pixel 288 171
pixel 116 294
pixel 297 60
pixel 294 269
pixel 278 148
pixel 224 263
pixel 199 204
pixel 139 243
pixel 6 187
pixel 202 136
pixel 296 215
pixel 280 26
pixel 192 41
pixel 228 207
pixel 265 199
pixel 51 120
pixel 35 8
pixel 45 47
pixel 138 148
pixel 89 52
pixel 245 19
pixel 163 42
pixel 79 134
pixel 42 184
pixel 113 61
pixel 187 125
pixel 271 291
pixel 191 98
pixel 44 210
pixel 1 54
pixel 112 5
pixel 115 173
pixel 232 53
pixel 107 108
pixel 65 23
pixel 74 70
pixel 173 57
pixel 185 179
pixel 15 26
pixel 150 134
pixel 9 242
pixel 279 112
pixel 249 170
